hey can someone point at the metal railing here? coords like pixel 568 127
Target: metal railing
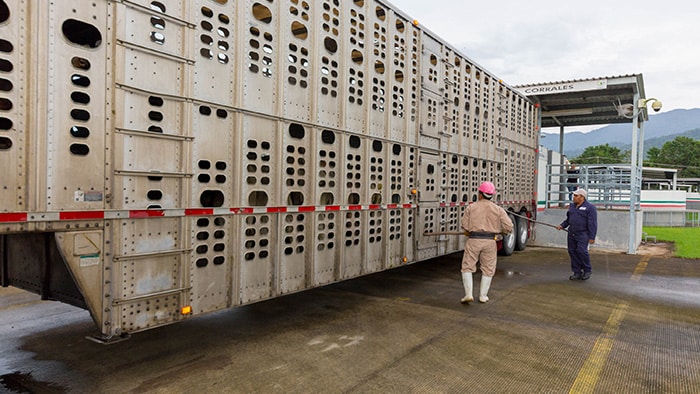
pixel 687 218
pixel 608 186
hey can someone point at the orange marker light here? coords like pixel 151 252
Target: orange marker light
pixel 415 22
pixel 186 310
pixel 414 191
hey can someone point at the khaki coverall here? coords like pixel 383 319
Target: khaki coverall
pixel 483 216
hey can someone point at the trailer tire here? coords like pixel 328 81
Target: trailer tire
pixel 508 243
pixel 520 231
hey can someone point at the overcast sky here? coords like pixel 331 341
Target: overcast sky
pixel 539 41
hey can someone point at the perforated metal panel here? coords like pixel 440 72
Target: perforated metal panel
pixel 234 151
pixel 257 258
pixel 14 83
pixel 74 148
pixel 211 263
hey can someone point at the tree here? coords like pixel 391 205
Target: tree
pixel 652 157
pixel 683 153
pixel 602 154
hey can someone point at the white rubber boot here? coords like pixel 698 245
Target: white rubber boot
pixel 484 290
pixel 468 285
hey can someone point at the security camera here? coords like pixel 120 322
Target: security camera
pixel 655 104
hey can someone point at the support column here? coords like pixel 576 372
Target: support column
pixel 635 179
pixel 562 170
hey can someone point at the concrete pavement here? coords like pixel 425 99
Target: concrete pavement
pixel 633 327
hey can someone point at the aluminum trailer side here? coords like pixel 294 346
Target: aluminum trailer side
pixel 165 159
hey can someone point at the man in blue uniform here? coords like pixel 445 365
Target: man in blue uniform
pixel 582 221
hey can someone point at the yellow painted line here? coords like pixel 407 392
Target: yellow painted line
pixel 639 270
pixel 589 374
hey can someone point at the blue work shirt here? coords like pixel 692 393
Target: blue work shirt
pixel 581 219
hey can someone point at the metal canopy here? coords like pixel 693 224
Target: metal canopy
pixel 593 101
pixel 598 101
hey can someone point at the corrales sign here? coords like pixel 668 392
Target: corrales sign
pixel 563 87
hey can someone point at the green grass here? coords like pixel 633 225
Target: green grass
pixel 685 239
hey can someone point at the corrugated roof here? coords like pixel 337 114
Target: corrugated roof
pixel 588 101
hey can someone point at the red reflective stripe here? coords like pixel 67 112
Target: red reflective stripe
pixel 10 217
pixel 81 215
pixel 198 212
pixel 13 217
pixel 146 213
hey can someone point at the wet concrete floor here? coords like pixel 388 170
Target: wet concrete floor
pixel 633 327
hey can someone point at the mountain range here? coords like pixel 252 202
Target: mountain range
pixel 660 128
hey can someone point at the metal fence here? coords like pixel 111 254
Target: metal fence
pixel 687 218
pixel 608 186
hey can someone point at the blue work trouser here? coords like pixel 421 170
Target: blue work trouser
pixel 577 244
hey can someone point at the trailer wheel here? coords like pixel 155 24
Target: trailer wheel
pixel 520 231
pixel 508 243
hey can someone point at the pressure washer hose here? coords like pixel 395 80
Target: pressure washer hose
pixel 510 213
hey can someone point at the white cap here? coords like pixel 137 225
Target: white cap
pixel 581 192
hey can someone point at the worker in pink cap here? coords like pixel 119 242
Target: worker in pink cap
pixel 483 220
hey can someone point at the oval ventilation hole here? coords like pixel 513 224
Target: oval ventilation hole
pixel 81 33
pixel 295 198
pixel 353 198
pixel 155 116
pixel 4 12
pixel 211 198
pixel 5 124
pixel 79 132
pixel 79 149
pixel 158 6
pixel 155 101
pixel 80 114
pixel 5 46
pixel 6 66
pixel 80 63
pixel 257 198
pixel 154 195
pixel 80 98
pixel 5 104
pixel 262 13
pixel 5 143
pixel 80 80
